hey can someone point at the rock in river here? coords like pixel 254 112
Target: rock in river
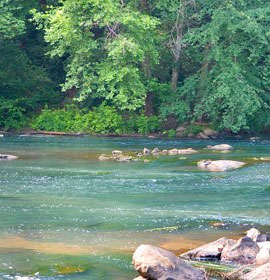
pixel 208 251
pixel 155 263
pixel 117 153
pixel 186 151
pixel 7 157
pixel 146 151
pixel 173 152
pixel 220 165
pixel 221 147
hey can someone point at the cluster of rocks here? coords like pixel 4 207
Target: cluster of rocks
pixel 116 156
pixel 208 165
pixel 251 255
pixel 119 156
pixel 7 157
pixel 172 152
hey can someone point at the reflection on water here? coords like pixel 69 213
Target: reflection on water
pixel 65 214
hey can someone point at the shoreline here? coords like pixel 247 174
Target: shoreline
pixel 222 136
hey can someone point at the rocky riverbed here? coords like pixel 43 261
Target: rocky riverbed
pixel 250 257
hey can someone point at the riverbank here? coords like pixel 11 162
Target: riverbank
pixel 218 136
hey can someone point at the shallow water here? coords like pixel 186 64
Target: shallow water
pixel 65 215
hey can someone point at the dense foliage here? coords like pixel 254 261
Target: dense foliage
pixel 123 66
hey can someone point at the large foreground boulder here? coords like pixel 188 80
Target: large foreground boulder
pixel 157 264
pixel 208 251
pixel 220 165
pixel 242 252
pixel 7 157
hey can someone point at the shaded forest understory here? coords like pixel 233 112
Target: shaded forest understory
pixel 135 66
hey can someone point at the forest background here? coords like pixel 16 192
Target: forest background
pixel 135 66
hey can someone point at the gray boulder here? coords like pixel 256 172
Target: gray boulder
pixel 208 251
pixel 157 264
pixel 242 252
pixel 219 165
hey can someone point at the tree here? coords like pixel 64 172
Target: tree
pixel 230 87
pixel 106 43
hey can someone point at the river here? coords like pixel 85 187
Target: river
pixel 65 215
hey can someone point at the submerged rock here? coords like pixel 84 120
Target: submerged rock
pixel 221 147
pixel 208 251
pixel 7 157
pixel 155 263
pixel 242 252
pixel 219 165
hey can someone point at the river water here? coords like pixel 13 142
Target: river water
pixel 65 215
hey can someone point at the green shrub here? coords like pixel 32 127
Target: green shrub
pixel 147 124
pixel 194 129
pixel 171 133
pixel 12 115
pixel 102 120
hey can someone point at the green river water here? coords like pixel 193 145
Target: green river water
pixel 65 215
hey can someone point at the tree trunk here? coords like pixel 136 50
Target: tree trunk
pixel 175 76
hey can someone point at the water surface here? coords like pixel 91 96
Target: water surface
pixel 65 215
